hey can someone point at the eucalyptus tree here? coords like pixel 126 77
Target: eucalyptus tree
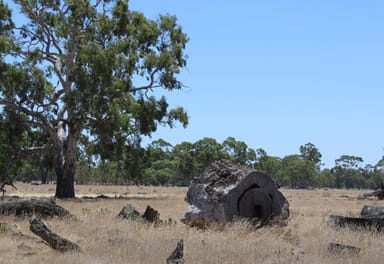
pixel 85 72
pixel 349 172
pixel 206 151
pixel 298 173
pixel 187 166
pixel 311 153
pixel 239 151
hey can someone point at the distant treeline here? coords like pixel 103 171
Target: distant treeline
pixel 161 163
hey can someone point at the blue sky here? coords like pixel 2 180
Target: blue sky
pixel 279 74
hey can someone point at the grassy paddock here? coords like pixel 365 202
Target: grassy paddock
pixel 106 239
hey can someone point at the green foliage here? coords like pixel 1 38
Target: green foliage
pixel 349 173
pixel 161 172
pixel 206 151
pixel 84 74
pixel 298 173
pixel 310 153
pixel 239 151
pixel 12 136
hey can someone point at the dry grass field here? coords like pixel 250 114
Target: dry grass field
pixel 104 238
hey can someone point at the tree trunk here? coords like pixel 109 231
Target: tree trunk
pixel 65 186
pixel 65 166
pixel 65 180
pixel 43 174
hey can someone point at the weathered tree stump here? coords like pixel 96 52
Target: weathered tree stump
pixel 151 215
pixel 42 207
pixel 225 191
pixel 53 240
pixel 129 212
pixel 177 256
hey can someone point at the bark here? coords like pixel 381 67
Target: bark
pixel 65 165
pixel 372 211
pixel 65 182
pixel 225 191
pixel 129 212
pixel 379 193
pixel 44 174
pixel 53 240
pixel 356 223
pixel 43 207
pixel 177 256
pixel 151 215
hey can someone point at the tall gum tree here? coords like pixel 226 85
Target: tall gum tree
pixel 84 73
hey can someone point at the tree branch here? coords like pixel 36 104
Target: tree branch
pixel 48 38
pixel 149 86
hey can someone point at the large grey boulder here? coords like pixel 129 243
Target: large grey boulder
pixel 226 191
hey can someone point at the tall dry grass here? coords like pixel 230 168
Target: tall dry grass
pixel 106 239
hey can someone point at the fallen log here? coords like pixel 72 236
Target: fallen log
pixel 54 241
pixel 371 210
pixel 42 207
pixel 356 223
pixel 378 192
pixel 226 191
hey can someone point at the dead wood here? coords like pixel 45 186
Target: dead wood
pixel 129 212
pixel 372 211
pixel 151 215
pixel 226 191
pixel 54 241
pixel 177 256
pixel 378 192
pixel 356 223
pixel 42 207
pixel 337 248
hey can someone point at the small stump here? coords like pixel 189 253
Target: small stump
pixel 177 256
pixel 129 212
pixel 151 215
